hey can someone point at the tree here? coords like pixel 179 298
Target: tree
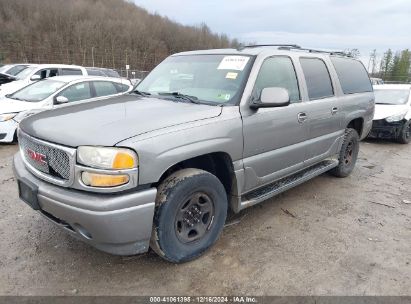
pixel 76 32
pixel 386 64
pixel 404 66
pixel 372 64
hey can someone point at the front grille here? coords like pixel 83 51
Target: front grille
pixel 384 123
pixel 45 158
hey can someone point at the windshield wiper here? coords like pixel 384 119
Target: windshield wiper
pixel 141 93
pixel 15 98
pixel 190 98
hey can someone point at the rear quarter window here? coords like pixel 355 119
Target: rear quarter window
pixel 94 72
pixel 352 75
pixel 121 87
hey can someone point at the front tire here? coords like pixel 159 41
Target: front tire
pixel 405 134
pixel 348 154
pixel 191 209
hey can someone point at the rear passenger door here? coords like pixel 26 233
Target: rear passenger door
pixel 322 115
pixel 274 138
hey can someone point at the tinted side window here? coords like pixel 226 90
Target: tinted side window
pixel 104 88
pixel 47 73
pixel 317 78
pixel 71 72
pixel 277 72
pixel 78 91
pixel 352 75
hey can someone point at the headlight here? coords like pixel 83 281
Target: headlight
pixel 395 118
pixel 20 116
pixel 8 116
pixel 107 158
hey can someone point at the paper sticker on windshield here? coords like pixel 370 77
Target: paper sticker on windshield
pixel 233 63
pixel 231 75
pixel 224 96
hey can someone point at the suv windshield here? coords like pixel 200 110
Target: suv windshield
pixel 38 91
pixel 215 79
pixel 391 97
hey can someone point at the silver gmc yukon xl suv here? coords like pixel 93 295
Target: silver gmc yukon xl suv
pixel 204 132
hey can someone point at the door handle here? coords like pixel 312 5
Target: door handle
pixel 301 117
pixel 334 111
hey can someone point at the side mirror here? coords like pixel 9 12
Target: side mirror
pixel 61 99
pixel 35 77
pixel 272 97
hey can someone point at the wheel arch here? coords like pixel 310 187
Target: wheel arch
pixel 219 164
pixel 357 124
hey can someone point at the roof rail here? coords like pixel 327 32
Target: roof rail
pixel 341 53
pixel 295 47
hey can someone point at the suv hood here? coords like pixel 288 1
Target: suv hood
pixel 385 111
pixel 8 105
pixel 109 121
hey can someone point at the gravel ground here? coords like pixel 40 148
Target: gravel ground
pixel 328 236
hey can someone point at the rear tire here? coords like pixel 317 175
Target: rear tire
pixel 348 154
pixel 405 134
pixel 191 209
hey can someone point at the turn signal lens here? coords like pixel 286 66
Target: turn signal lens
pixel 123 160
pixel 103 180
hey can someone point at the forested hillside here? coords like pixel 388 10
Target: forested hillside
pixel 396 66
pixel 108 33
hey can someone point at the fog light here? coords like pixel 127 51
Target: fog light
pixel 103 180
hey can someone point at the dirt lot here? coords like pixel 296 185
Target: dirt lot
pixel 329 236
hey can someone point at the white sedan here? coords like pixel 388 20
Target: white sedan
pixel 392 118
pixel 54 92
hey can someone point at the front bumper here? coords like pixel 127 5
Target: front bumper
pixel 382 129
pixel 8 130
pixel 119 224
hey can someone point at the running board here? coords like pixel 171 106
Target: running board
pixel 270 190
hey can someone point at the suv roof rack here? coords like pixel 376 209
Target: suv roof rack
pixel 296 47
pixel 242 47
pixel 341 53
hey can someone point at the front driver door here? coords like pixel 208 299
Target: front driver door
pixel 274 138
pixel 77 92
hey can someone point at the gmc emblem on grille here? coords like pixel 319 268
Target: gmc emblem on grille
pixel 38 157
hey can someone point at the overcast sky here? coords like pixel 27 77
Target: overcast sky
pixel 328 24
